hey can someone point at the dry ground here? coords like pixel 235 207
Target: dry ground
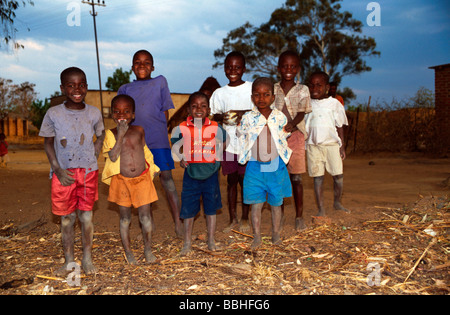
pixel 394 200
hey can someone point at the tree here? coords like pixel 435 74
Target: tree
pixel 38 110
pixel 326 38
pixel 118 78
pixel 7 16
pixel 16 98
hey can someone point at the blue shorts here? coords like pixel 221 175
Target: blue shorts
pixel 163 159
pixel 266 181
pixel 194 189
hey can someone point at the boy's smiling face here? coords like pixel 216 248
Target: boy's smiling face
pixel 199 108
pixel 74 88
pixel 318 87
pixel 234 70
pixel 289 67
pixel 122 111
pixel 142 66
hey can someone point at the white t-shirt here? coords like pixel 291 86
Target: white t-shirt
pixel 321 123
pixel 229 98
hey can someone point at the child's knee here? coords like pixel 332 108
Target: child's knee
pixel 296 179
pixel 167 181
pixel 232 179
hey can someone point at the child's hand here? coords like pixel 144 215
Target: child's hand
pixel 122 127
pixel 289 127
pixel 342 152
pixel 184 164
pixel 65 176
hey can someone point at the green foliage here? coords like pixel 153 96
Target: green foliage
pixel 118 78
pixel 38 110
pixel 7 17
pixel 326 38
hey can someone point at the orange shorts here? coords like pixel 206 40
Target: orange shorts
pixel 296 143
pixel 132 191
pixel 80 195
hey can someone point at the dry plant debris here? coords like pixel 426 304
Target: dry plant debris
pixel 404 251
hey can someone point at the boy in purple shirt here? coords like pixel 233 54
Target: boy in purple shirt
pixel 152 98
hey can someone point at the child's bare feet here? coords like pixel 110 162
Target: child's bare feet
pixel 88 266
pixel 339 206
pixel 300 224
pixel 257 240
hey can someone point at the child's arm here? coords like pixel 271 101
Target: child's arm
pixel 63 175
pixel 291 126
pixel 98 144
pixel 122 127
pixel 340 131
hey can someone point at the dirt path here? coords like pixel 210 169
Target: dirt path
pixel 368 181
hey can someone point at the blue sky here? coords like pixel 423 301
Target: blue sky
pixel 183 34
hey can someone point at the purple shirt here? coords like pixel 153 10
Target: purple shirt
pixel 152 98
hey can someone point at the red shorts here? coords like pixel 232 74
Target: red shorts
pixel 80 195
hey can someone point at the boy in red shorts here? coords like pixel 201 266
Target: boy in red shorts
pixel 69 130
pixel 129 170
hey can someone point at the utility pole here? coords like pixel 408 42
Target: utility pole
pixel 91 2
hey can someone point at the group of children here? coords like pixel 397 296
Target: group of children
pixel 257 136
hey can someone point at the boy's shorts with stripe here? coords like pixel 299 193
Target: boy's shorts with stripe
pixel 195 189
pixel 132 191
pixel 266 181
pixel 163 159
pixel 81 195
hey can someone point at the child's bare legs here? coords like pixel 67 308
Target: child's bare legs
pixel 188 224
pixel 147 226
pixel 233 180
pixel 244 225
pixel 256 223
pixel 318 193
pixel 232 183
pixel 297 191
pixel 211 228
pixel 276 224
pixel 125 221
pixel 87 234
pixel 172 197
pixel 67 237
pixel 338 186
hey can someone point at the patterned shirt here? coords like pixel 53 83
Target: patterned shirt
pixel 297 100
pixel 251 126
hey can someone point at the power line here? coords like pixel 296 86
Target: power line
pixel 91 2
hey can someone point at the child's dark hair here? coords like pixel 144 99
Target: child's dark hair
pixel 69 71
pixel 263 81
pixel 2 136
pixel 235 54
pixel 197 94
pixel 324 75
pixel 124 97
pixel 143 51
pixel 290 53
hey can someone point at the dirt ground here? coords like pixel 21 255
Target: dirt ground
pixel 329 258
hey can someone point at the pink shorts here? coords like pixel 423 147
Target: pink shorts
pixel 80 195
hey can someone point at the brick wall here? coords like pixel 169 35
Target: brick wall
pixel 442 103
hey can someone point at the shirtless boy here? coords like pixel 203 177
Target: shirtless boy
pixel 129 169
